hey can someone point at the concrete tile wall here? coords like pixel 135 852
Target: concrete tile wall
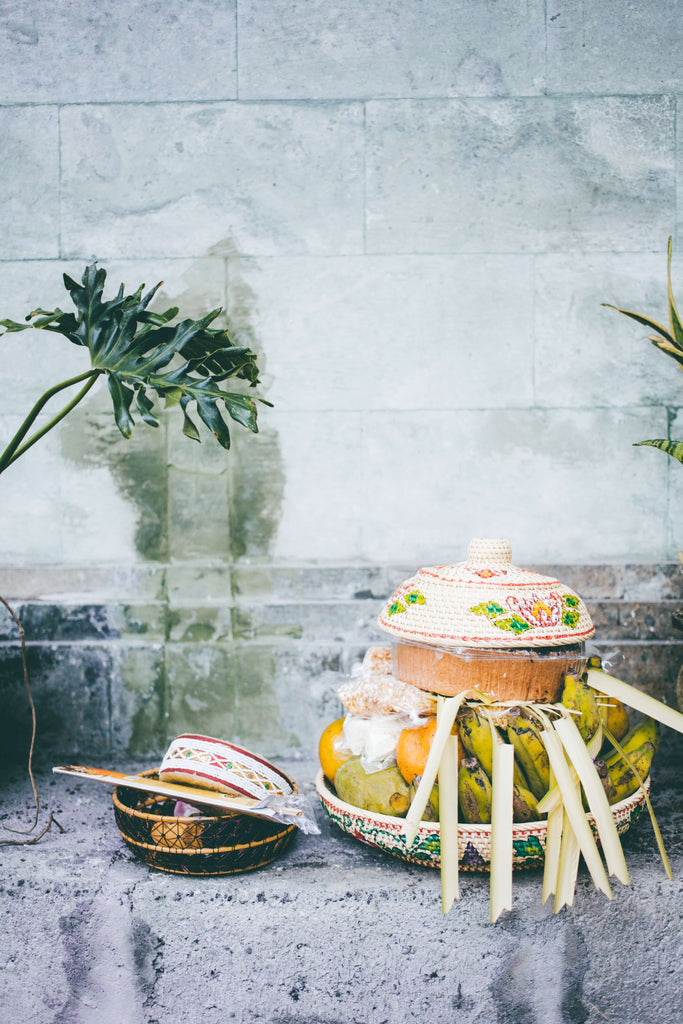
pixel 257 653
pixel 413 213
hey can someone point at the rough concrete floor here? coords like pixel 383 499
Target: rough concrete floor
pixel 333 933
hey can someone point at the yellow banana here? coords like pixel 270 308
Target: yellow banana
pixel 529 751
pixel 579 697
pixel 524 805
pixel 474 792
pixel 646 729
pixel 614 715
pixel 474 732
pixel 622 780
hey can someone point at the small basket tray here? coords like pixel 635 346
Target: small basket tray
pixel 222 845
pixel 474 841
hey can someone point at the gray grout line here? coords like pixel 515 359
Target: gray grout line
pixel 59 181
pixel 563 253
pixel 237 51
pixel 347 100
pixel 365 180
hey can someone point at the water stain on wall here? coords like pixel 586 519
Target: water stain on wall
pixel 140 465
pixel 257 474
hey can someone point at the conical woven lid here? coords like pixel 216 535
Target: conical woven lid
pixel 485 602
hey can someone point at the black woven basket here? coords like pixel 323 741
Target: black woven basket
pixel 222 845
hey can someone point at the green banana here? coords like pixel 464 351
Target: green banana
pixel 621 779
pixel 431 811
pixel 579 697
pixel 474 733
pixel 524 805
pixel 530 751
pixel 474 792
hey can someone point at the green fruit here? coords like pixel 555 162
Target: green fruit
pixel 579 697
pixel 621 779
pixel 431 811
pixel 383 792
pixel 476 738
pixel 474 733
pixel 524 805
pixel 529 751
pixel 474 792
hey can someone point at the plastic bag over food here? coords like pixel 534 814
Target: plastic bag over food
pixel 373 738
pixel 374 690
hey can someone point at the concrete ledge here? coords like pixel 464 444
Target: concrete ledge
pixel 333 932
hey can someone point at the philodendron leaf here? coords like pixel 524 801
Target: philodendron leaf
pixel 672 448
pixel 145 357
pixel 122 397
pixel 145 406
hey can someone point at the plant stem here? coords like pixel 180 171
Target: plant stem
pixel 13 449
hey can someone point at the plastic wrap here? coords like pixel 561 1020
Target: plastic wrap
pixel 373 738
pixel 503 673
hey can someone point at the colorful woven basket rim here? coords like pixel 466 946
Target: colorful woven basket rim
pixel 327 795
pixel 485 602
pixel 220 764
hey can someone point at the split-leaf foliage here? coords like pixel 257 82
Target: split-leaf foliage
pixel 146 359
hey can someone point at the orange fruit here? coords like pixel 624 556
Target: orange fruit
pixel 330 759
pixel 412 749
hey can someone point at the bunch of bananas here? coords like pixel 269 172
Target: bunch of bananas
pixel 517 725
pixel 391 790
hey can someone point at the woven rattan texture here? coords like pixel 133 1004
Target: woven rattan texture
pixel 485 602
pixel 196 845
pixel 474 841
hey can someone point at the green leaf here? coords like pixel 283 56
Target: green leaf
pixel 672 448
pixel 145 407
pixel 209 414
pixel 121 397
pixel 668 348
pixel 189 427
pixel 143 354
pixel 242 409
pixel 674 319
pixel 645 321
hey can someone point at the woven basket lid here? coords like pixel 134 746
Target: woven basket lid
pixel 485 602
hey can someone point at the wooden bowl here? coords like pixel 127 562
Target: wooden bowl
pixel 519 675
pixel 208 845
pixel 474 841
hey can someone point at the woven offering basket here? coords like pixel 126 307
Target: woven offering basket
pixel 474 841
pixel 222 845
pixel 485 624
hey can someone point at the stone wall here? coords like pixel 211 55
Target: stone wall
pixel 254 653
pixel 412 212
